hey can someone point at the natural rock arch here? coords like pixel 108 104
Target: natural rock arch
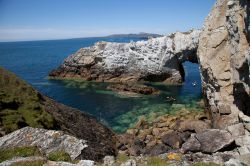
pixel 158 59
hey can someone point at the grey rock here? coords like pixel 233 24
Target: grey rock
pixel 130 162
pixel 209 141
pixel 193 125
pixel 247 126
pixel 244 159
pixel 214 140
pixel 109 161
pixel 192 145
pixel 62 163
pixel 172 139
pixel 233 162
pixel 237 130
pixel 157 149
pixel 244 150
pixel 243 141
pixel 46 140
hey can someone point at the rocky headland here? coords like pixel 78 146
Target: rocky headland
pixel 156 60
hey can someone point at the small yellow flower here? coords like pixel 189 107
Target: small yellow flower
pixel 174 156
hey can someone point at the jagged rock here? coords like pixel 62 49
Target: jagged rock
pixel 224 59
pixel 47 141
pixel 156 60
pixel 172 139
pixel 192 145
pixel 157 150
pixel 209 141
pixel 236 130
pixel 134 90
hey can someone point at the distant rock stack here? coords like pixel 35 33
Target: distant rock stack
pixel 156 60
pixel 224 61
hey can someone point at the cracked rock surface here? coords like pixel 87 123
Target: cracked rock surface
pixel 223 55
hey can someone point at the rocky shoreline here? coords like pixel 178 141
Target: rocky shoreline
pixel 220 135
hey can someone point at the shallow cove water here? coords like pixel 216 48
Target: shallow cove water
pixel 32 61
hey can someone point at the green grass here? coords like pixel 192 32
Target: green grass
pixel 205 164
pixel 21 105
pixel 59 156
pixel 30 163
pixel 156 161
pixel 8 154
pixel 121 158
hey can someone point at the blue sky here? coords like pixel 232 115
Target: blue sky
pixel 59 19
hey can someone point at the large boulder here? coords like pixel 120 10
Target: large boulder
pixel 209 141
pixel 156 60
pixel 48 141
pixel 224 59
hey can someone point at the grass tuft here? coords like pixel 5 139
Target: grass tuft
pixel 156 161
pixel 59 156
pixel 30 163
pixel 8 154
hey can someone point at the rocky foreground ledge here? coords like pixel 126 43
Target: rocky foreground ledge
pixel 155 60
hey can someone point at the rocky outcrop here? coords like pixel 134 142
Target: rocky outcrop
pixel 224 56
pixel 48 141
pixel 16 97
pixel 155 60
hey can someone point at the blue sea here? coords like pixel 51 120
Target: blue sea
pixel 33 60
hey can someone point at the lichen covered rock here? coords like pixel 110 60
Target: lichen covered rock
pixel 47 141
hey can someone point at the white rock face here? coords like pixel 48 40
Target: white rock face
pixel 158 59
pixel 46 140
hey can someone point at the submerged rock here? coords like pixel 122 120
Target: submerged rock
pixel 155 60
pixel 133 90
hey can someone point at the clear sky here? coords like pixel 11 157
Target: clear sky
pixel 59 19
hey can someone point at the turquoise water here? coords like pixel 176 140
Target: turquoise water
pixel 32 61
